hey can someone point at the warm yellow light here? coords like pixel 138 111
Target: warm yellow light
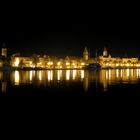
pixel 106 64
pixel 49 75
pixel 67 63
pixel 74 74
pixel 82 64
pixel 106 75
pixel 16 77
pixel 117 73
pixel 117 64
pixel 128 64
pixel 39 63
pixel 16 62
pixel 137 73
pixel 68 67
pixel 128 72
pixel 60 67
pixel 121 73
pixel 31 75
pixel 75 67
pixel 68 75
pixel 109 73
pixel 138 65
pixel 58 63
pixel 132 72
pixel 82 74
pixel 50 63
pixel 40 75
pixel 73 64
pixel 59 74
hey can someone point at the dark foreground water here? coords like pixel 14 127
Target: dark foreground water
pixel 116 82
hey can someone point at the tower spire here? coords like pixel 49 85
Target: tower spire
pixel 4 50
pixel 105 53
pixel 85 54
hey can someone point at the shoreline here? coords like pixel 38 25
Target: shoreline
pixel 36 69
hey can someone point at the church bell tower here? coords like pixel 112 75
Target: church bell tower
pixel 105 54
pixel 85 54
pixel 4 51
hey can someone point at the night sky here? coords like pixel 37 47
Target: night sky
pixel 66 29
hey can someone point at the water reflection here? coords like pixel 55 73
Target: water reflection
pixel 4 87
pixel 74 74
pixel 67 74
pixel 40 75
pixel 85 77
pixel 16 77
pixel 31 75
pixel 59 75
pixel 82 74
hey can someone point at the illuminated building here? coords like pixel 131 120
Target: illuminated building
pixel 4 51
pixel 105 54
pixel 36 61
pixel 85 55
pixel 107 61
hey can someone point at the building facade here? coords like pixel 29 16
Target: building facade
pixel 69 62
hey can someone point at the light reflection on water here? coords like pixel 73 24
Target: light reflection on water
pixel 85 77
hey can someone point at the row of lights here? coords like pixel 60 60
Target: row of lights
pixel 127 64
pixel 17 61
pixel 49 76
pixel 128 73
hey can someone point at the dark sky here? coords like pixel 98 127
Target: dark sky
pixel 64 29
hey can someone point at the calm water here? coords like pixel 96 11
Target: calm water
pixel 71 82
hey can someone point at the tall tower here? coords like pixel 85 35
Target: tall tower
pixel 85 54
pixel 105 52
pixel 4 51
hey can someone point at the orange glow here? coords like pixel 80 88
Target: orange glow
pixel 82 74
pixel 58 75
pixel 50 63
pixel 121 73
pixel 17 62
pixel 110 74
pixel 106 74
pixel 138 65
pixel 74 74
pixel 31 75
pixel 58 63
pixel 73 64
pixel 40 75
pixel 117 73
pixel 49 75
pixel 82 64
pixel 128 64
pixel 67 74
pixel 67 63
pixel 16 77
pixel 127 72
